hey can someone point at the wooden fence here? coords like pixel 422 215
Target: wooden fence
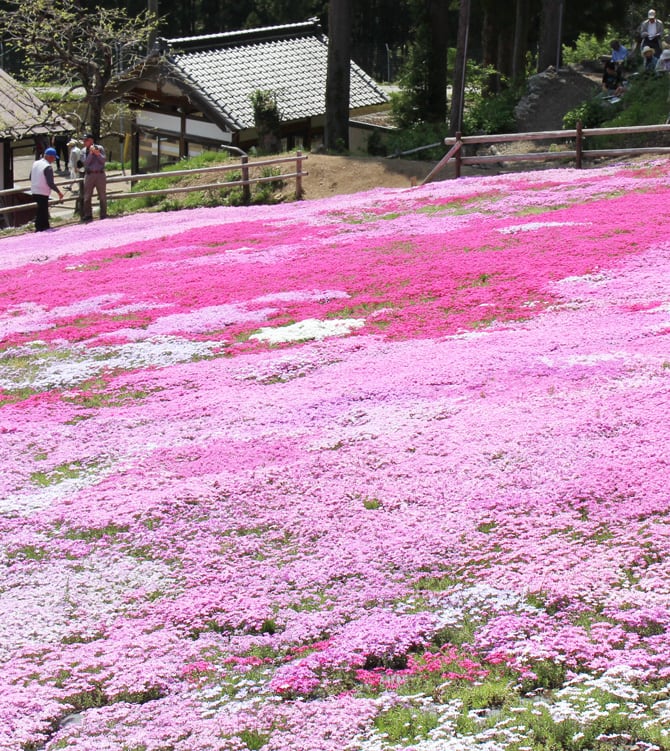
pixel 18 200
pixel 578 153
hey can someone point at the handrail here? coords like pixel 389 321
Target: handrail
pixel 244 165
pixel 579 134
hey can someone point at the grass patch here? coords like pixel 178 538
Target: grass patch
pixel 27 553
pixel 97 399
pixel 406 725
pixel 60 473
pixel 254 740
pixel 372 504
pixel 96 533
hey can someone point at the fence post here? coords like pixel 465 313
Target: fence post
pixel 578 145
pixel 246 190
pixel 458 154
pixel 298 177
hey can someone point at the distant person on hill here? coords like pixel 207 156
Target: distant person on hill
pixel 619 53
pixel 651 33
pixel 663 64
pixel 612 81
pixel 648 60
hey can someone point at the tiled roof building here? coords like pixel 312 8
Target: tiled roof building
pixel 290 61
pixel 199 89
pixel 23 115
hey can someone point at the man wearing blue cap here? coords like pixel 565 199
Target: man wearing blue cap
pixel 41 185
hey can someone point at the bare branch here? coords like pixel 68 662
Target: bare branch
pixel 72 44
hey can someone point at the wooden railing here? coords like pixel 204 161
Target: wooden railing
pixel 578 153
pixel 246 168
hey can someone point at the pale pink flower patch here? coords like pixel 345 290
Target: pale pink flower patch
pixel 274 476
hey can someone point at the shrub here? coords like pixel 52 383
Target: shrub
pixel 592 114
pixel 417 136
pixel 491 114
pixel 645 102
pixel 490 100
pixel 587 48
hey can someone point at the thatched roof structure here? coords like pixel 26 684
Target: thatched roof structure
pixel 23 114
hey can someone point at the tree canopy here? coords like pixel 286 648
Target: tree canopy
pixel 65 42
pixel 88 43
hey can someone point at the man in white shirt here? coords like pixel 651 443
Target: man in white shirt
pixel 73 158
pixel 41 185
pixel 651 32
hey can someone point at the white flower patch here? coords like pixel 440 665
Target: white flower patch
pixel 532 226
pixel 29 317
pixel 596 357
pixel 44 608
pixel 586 278
pixel 304 296
pixel 48 370
pixel 26 504
pixel 311 328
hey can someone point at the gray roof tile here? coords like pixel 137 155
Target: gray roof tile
pixel 293 67
pixel 22 113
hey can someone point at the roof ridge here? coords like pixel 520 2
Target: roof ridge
pixel 262 33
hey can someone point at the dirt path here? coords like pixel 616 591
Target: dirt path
pixel 333 175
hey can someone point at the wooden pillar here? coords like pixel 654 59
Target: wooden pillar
pixel 6 165
pixel 246 188
pixel 579 145
pixel 298 179
pixel 183 151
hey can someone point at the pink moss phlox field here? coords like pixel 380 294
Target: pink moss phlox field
pixel 271 473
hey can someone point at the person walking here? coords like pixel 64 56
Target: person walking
pixel 73 158
pixel 41 185
pixel 93 160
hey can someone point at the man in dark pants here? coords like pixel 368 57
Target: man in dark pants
pixel 93 160
pixel 60 144
pixel 41 185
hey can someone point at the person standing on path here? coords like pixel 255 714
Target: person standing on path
pixel 41 185
pixel 73 158
pixel 93 160
pixel 60 144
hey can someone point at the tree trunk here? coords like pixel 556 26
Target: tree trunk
pixel 550 34
pixel 458 86
pixel 520 40
pixel 338 83
pixel 95 106
pixel 436 111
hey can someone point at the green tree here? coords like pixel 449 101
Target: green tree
pixel 550 34
pixel 424 76
pixel 76 46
